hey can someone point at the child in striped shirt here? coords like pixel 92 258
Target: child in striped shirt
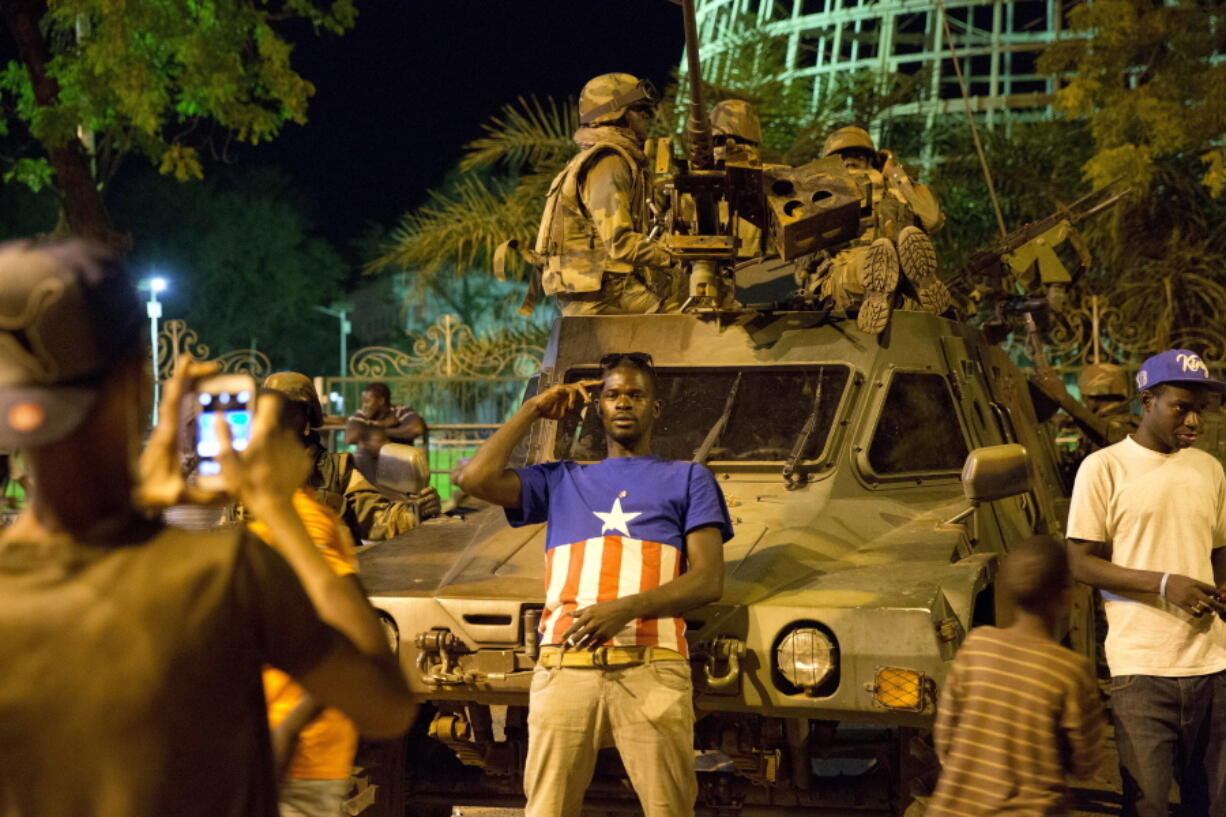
pixel 1019 714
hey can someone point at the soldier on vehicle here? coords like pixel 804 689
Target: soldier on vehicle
pixel 866 274
pixel 737 137
pixel 1104 390
pixel 736 130
pixel 368 512
pixel 597 256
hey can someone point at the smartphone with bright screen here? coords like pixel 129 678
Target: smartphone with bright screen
pixel 228 396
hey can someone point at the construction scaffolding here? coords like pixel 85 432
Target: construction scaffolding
pixel 997 44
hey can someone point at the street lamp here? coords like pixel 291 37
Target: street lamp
pixel 153 308
pixel 341 309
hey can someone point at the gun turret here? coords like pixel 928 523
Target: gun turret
pixel 698 126
pixel 708 250
pixel 798 210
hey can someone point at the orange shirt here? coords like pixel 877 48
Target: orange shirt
pixel 327 744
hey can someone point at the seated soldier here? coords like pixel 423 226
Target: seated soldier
pixel 865 275
pixel 370 513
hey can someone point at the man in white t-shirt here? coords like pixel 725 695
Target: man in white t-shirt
pixel 1147 527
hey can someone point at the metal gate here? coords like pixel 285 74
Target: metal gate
pixel 462 384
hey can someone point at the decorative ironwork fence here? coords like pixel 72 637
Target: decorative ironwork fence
pixel 1097 330
pixel 176 339
pixel 463 384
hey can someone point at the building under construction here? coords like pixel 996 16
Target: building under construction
pixel 997 46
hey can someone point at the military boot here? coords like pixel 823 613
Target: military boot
pixel 880 278
pixel 919 265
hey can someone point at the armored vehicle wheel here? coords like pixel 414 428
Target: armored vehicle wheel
pixel 379 780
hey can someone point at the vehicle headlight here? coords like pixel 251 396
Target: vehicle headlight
pixel 805 658
pixel 391 631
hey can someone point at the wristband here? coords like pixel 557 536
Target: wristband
pixel 1162 586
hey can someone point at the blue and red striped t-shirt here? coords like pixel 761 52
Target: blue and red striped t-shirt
pixel 617 528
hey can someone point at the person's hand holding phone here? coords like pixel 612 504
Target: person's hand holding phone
pixel 162 482
pixel 273 465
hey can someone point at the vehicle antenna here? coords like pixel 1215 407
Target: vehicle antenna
pixel 970 120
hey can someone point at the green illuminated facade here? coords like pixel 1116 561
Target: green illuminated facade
pixel 998 44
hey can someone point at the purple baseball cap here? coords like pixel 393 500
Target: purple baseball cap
pixel 68 313
pixel 1179 366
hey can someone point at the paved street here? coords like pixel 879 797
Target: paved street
pixel 1099 797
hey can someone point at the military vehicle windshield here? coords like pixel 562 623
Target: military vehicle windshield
pixel 918 430
pixel 766 417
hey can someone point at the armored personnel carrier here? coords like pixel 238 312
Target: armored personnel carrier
pixel 873 481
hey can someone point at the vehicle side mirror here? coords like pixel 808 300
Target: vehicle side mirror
pixel 996 472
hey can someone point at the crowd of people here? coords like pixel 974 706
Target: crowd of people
pixel 148 669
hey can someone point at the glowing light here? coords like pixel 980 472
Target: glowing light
pixel 157 284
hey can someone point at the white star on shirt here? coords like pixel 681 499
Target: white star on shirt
pixel 616 519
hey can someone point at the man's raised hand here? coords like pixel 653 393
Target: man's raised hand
pixel 272 466
pixel 555 402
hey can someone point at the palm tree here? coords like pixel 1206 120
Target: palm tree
pixel 497 194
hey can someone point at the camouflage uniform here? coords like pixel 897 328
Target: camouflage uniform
pixel 1104 390
pixel 367 512
pixel 738 136
pixel 596 256
pixel 865 275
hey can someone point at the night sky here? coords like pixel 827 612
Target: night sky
pixel 399 96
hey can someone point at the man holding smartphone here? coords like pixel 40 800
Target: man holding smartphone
pixel 131 651
pixel 633 543
pixel 1147 527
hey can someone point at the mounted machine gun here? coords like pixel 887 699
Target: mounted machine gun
pixel 1028 278
pixel 797 210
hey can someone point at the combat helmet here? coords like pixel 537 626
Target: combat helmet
pixel 738 119
pixel 606 98
pixel 1103 380
pixel 297 388
pixel 848 138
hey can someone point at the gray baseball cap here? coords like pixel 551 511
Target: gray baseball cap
pixel 68 313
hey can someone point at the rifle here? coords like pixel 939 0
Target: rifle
pixel 707 252
pixel 1030 255
pixel 1029 251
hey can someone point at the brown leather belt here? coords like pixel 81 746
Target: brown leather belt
pixel 605 657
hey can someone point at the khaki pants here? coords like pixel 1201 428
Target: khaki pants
pixel 844 281
pixel 312 798
pixel 619 294
pixel 646 711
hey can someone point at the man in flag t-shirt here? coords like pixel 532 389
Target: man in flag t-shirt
pixel 633 543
